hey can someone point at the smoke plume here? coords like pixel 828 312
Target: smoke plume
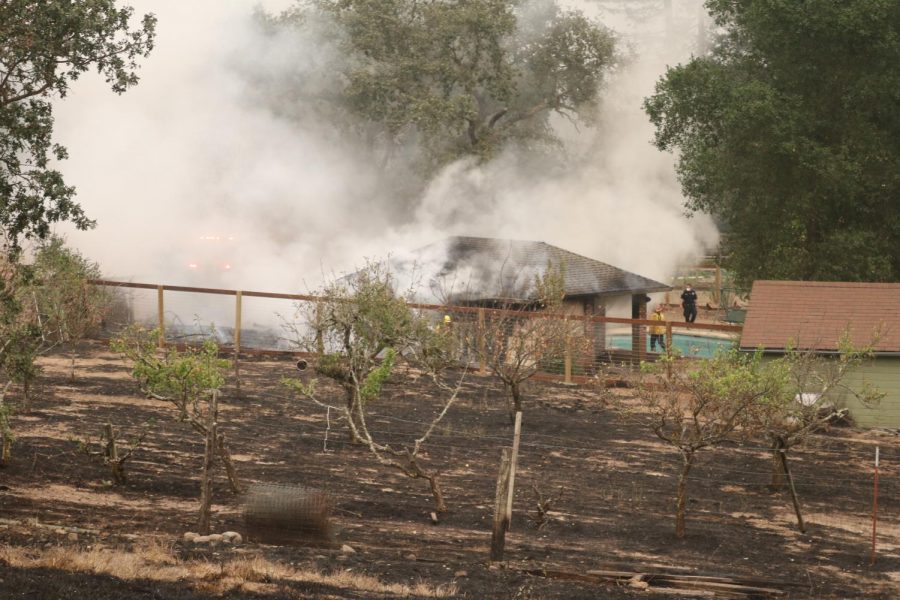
pixel 193 178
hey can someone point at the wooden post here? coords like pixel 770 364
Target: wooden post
pixel 874 507
pixel 320 336
pixel 638 332
pixel 568 360
pixel 161 317
pixel 501 521
pixel 237 322
pixel 512 467
pixel 208 458
pixel 669 343
pixel 717 293
pixel 237 339
pixel 787 473
pixel 482 343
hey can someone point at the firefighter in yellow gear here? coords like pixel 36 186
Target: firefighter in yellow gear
pixel 657 332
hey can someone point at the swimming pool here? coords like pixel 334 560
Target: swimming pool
pixel 688 345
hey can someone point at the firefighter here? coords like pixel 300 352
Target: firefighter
pixel 658 333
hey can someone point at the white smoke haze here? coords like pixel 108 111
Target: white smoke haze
pixel 194 151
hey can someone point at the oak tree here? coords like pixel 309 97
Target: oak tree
pixel 788 132
pixel 45 45
pixel 457 77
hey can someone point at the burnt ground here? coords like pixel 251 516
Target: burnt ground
pixel 616 483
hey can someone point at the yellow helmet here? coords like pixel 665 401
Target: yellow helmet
pixel 446 318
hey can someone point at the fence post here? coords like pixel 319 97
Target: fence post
pixel 237 322
pixel 237 339
pixel 568 360
pixel 669 344
pixel 512 468
pixel 161 317
pixel 875 505
pixel 717 293
pixel 482 343
pixel 501 520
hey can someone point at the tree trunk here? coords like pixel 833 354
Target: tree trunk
pixel 118 472
pixel 681 500
pixel 5 432
pixel 208 460
pixel 436 493
pixel 116 466
pixel 777 483
pixel 5 452
pixel 233 481
pixel 516 392
pixel 352 403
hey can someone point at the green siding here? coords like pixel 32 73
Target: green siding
pixel 884 374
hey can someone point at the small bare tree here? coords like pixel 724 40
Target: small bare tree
pixel 187 379
pixel 812 397
pixel 543 504
pixel 528 334
pixel 701 405
pixel 359 319
pixel 366 328
pixel 109 450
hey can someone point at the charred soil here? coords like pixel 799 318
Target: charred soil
pixel 590 449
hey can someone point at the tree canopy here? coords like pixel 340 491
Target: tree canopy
pixel 44 46
pixel 789 133
pixel 459 77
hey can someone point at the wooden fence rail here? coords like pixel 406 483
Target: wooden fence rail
pixel 638 352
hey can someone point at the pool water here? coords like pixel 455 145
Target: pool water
pixel 688 345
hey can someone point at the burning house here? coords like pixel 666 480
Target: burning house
pixel 490 272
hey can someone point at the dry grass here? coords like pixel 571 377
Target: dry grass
pixel 156 561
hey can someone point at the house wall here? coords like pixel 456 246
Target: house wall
pixel 884 374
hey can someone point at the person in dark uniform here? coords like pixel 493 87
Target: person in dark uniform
pixel 689 303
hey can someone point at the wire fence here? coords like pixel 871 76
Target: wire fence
pixel 628 480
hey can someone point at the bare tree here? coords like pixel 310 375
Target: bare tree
pixel 186 379
pixel 813 396
pixel 703 404
pixel 359 318
pixel 543 504
pixel 366 328
pixel 109 451
pixel 528 334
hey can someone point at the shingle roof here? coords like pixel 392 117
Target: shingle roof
pixel 490 268
pixel 814 315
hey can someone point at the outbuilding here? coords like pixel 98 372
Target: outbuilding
pixel 813 315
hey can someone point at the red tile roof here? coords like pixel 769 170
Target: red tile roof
pixel 815 314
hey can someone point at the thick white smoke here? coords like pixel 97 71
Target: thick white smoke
pixel 192 154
